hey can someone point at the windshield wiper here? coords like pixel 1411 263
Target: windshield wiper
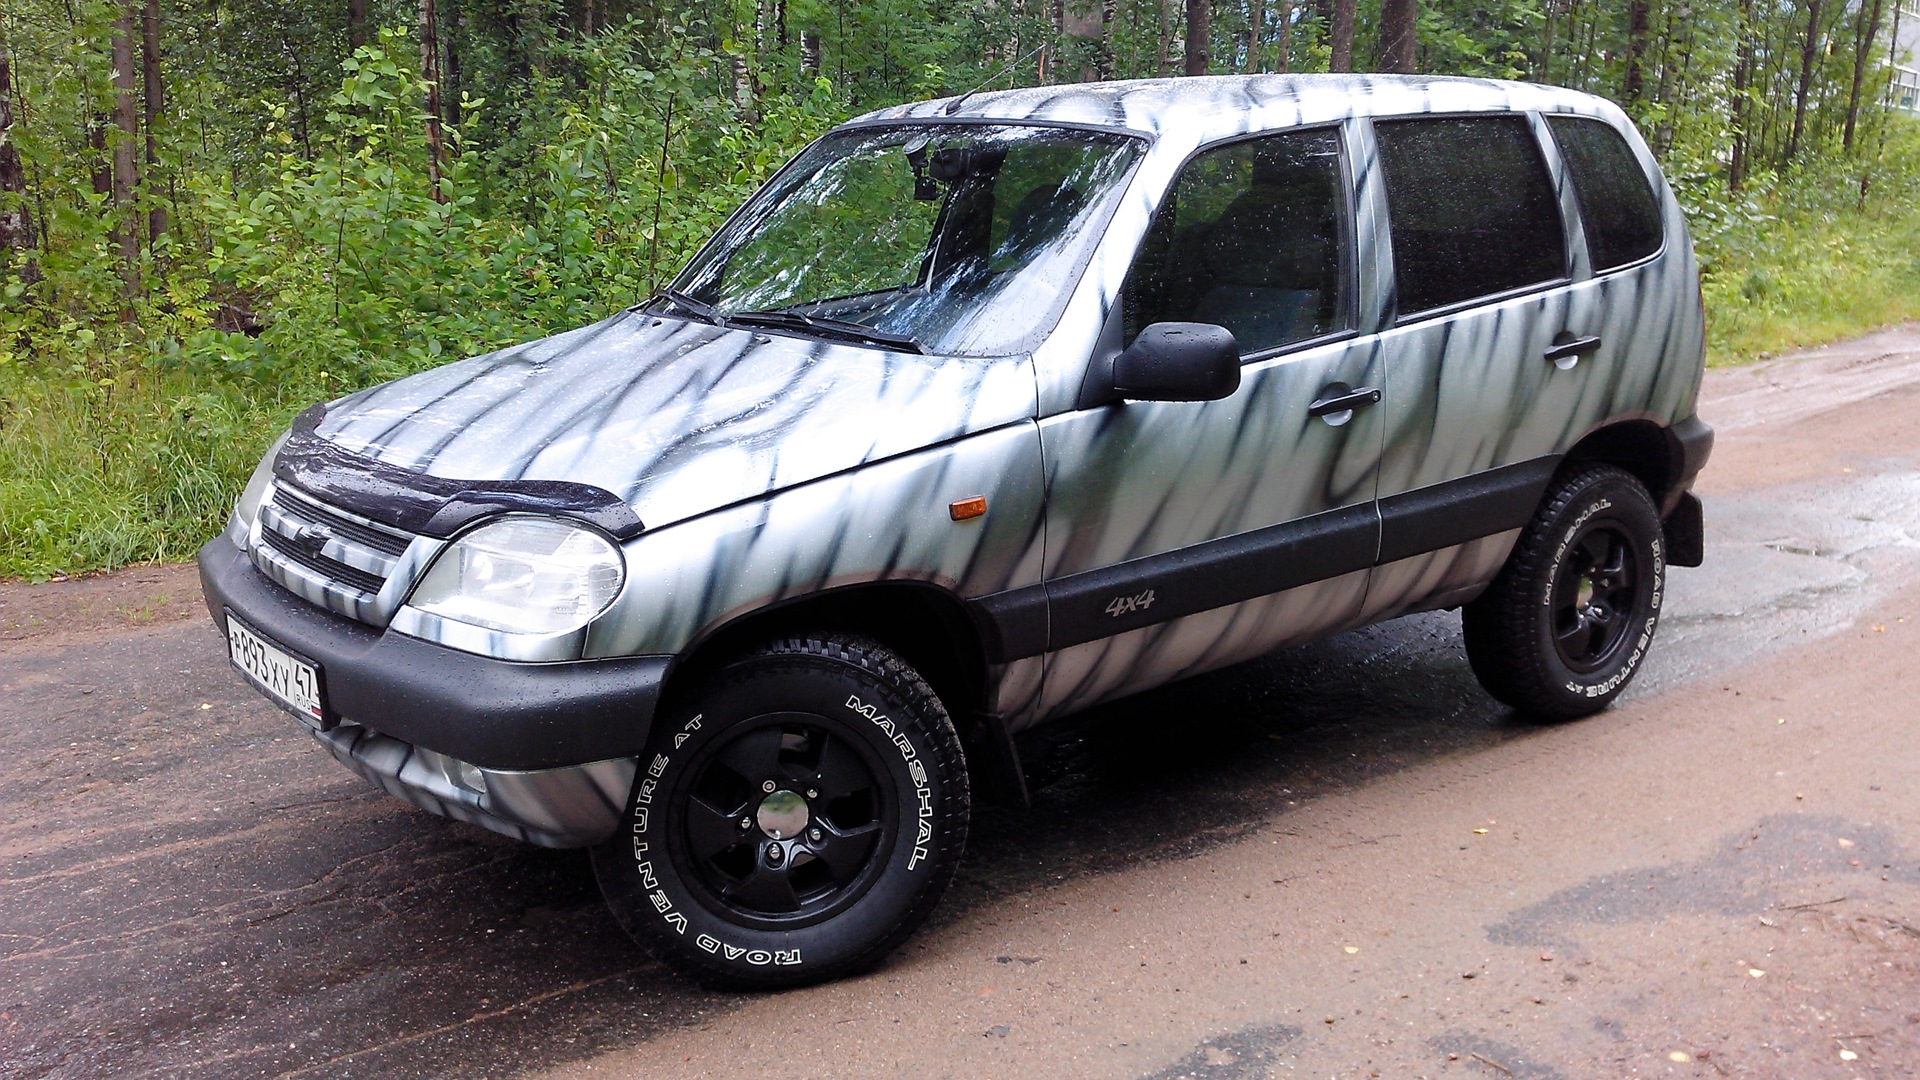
pixel 826 327
pixel 699 309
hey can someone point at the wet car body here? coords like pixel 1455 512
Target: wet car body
pixel 1377 453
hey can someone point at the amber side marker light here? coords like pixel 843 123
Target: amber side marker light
pixel 968 508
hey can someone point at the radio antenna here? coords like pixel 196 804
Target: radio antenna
pixel 993 78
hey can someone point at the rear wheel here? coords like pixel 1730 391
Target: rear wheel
pixel 1565 626
pixel 794 820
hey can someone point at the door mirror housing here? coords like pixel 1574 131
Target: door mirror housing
pixel 1179 361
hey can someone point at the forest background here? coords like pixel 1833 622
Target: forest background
pixel 213 213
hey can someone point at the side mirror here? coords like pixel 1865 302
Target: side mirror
pixel 1179 361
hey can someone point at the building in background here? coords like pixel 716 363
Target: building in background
pixel 1905 91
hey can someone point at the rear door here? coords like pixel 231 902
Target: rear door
pixel 1477 410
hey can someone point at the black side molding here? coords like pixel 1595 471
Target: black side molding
pixel 433 506
pixel 1456 511
pixel 1109 600
pixel 1013 624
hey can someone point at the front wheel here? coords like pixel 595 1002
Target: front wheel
pixel 1566 624
pixel 793 820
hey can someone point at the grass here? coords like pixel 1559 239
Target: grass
pixel 135 468
pixel 141 464
pixel 1816 281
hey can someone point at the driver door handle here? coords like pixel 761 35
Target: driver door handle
pixel 1358 398
pixel 1579 346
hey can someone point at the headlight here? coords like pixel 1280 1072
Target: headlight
pixel 523 575
pixel 249 505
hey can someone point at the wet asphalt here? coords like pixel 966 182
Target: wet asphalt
pixel 190 886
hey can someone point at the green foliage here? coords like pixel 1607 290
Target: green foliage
pixel 125 441
pixel 1829 248
pixel 590 147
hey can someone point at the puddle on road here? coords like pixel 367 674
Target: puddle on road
pixel 1785 565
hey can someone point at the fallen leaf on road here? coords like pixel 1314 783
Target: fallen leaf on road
pixel 1479 832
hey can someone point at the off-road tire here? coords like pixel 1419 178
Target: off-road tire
pixel 1525 635
pixel 692 872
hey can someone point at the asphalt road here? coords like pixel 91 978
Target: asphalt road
pixel 1340 860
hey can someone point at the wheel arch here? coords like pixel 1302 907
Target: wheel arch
pixel 926 624
pixel 1643 447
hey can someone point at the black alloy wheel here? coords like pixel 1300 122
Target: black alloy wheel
pixel 783 819
pixel 1594 595
pixel 1564 627
pixel 795 816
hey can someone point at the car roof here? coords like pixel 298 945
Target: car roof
pixel 1204 108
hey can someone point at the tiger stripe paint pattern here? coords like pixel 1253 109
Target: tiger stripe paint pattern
pixel 1124 544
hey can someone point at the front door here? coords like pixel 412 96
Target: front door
pixel 1182 536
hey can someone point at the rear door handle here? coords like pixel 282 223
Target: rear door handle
pixel 1571 350
pixel 1339 400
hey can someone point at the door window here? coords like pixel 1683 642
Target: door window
pixel 1252 237
pixel 1471 206
pixel 1617 207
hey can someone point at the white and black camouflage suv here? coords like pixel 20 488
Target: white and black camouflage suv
pixel 981 412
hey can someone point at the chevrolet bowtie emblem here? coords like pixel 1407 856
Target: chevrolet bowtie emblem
pixel 312 537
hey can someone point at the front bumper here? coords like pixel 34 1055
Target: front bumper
pixel 543 751
pixel 558 808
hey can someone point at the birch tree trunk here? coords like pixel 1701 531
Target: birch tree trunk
pixel 126 177
pixel 1283 39
pixel 153 94
pixel 430 73
pixel 1635 82
pixel 1863 36
pixel 1163 61
pixel 1199 30
pixel 1742 75
pixel 1340 37
pixel 1397 35
pixel 1256 15
pixel 16 220
pixel 1809 48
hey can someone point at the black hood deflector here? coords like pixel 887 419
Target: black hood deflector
pixel 433 505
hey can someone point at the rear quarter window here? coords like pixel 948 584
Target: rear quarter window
pixel 1617 205
pixel 1471 207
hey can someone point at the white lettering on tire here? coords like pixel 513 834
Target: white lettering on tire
pixel 649 880
pixel 916 770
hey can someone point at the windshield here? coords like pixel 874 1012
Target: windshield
pixel 959 239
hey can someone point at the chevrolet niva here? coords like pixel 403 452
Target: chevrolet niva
pixel 980 412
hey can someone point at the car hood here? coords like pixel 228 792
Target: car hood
pixel 675 417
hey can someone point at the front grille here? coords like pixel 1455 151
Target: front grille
pixel 313 512
pixel 337 560
pixel 320 564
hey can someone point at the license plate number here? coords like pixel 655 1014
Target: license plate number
pixel 286 678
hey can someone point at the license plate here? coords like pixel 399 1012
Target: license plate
pixel 286 678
